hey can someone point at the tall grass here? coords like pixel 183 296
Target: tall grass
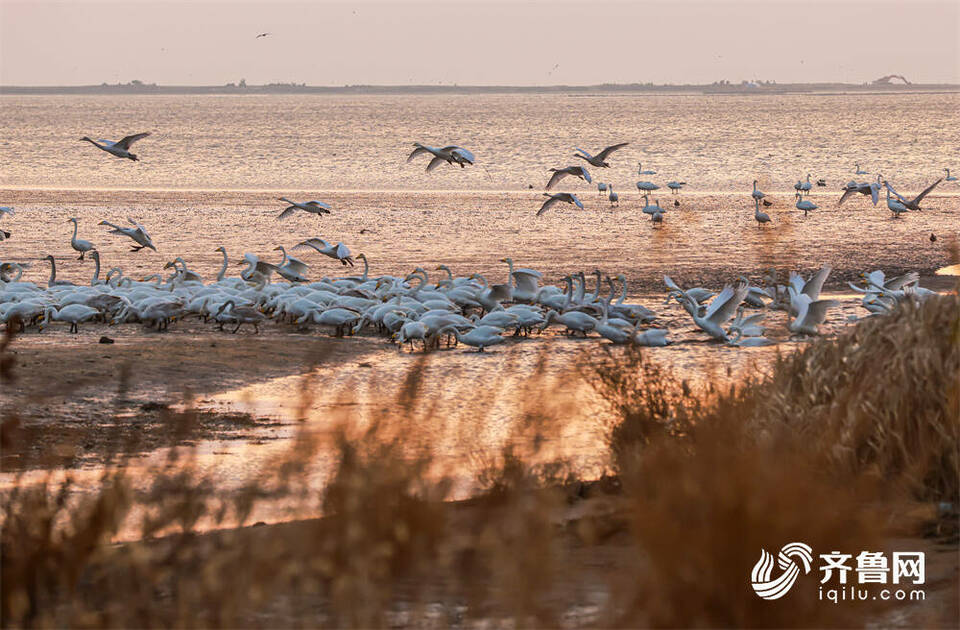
pixel 821 448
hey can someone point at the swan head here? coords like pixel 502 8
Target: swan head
pixel 72 220
pixel 220 249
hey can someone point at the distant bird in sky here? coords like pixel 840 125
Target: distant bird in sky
pixel 560 173
pixel 598 160
pixel 119 149
pixel 261 35
pixel 558 198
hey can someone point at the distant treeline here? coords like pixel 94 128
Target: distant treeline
pixel 137 87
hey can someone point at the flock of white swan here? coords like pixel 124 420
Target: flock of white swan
pixel 466 309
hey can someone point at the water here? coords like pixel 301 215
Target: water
pixel 210 173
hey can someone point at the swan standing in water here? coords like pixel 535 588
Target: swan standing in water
pixel 77 244
pixel 756 194
pixel 451 154
pixel 640 170
pixel 137 233
pixel 675 187
pixel 803 186
pixel 556 198
pixel 760 217
pixel 950 178
pixel 599 160
pixel 895 206
pixel 312 207
pixel 338 252
pixel 643 187
pixel 613 197
pixel 912 204
pixel 120 149
pixel 805 205
pixel 560 173
pixel 481 337
pixel 601 188
pixel 859 171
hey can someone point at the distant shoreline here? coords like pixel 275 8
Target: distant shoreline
pixel 602 89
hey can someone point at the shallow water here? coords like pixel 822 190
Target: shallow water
pixel 210 174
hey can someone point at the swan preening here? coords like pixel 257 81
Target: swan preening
pixel 599 160
pixel 451 154
pixel 560 173
pixel 121 148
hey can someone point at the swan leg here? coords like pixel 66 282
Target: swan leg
pixel 239 324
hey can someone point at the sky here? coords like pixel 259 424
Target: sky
pixel 473 42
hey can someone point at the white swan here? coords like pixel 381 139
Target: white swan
pixel 77 244
pixel 556 198
pixel 313 207
pixel 809 313
pixel 339 252
pixel 912 204
pixel 560 173
pixel 451 154
pixel 640 170
pixel 859 171
pixel 759 217
pixel 871 189
pixel 720 310
pixel 646 187
pixel 613 197
pixel 756 194
pixel 895 206
pixel 805 205
pixel 121 148
pixel 654 337
pixel 75 314
pixel 53 282
pixel 481 337
pixel 598 160
pixel 950 178
pixel 676 186
pixel 137 233
pixel 290 268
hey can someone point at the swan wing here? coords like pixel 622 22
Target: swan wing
pixel 342 251
pixel 584 152
pixel 297 266
pixel 286 214
pixel 576 201
pixel 420 150
pixel 815 284
pixel 126 141
pixel 585 174
pixel 817 311
pixel 460 152
pixel 926 192
pixel 558 174
pixel 603 154
pixel 317 204
pixel 549 203
pixel 723 308
pixel 847 194
pixel 434 163
pixel 314 243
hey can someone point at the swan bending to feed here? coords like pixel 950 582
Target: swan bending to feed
pixel 560 173
pixel 599 160
pixel 121 148
pixel 313 207
pixel 556 198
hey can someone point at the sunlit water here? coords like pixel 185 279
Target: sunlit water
pixel 210 174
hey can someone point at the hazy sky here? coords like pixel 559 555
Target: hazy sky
pixel 476 42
